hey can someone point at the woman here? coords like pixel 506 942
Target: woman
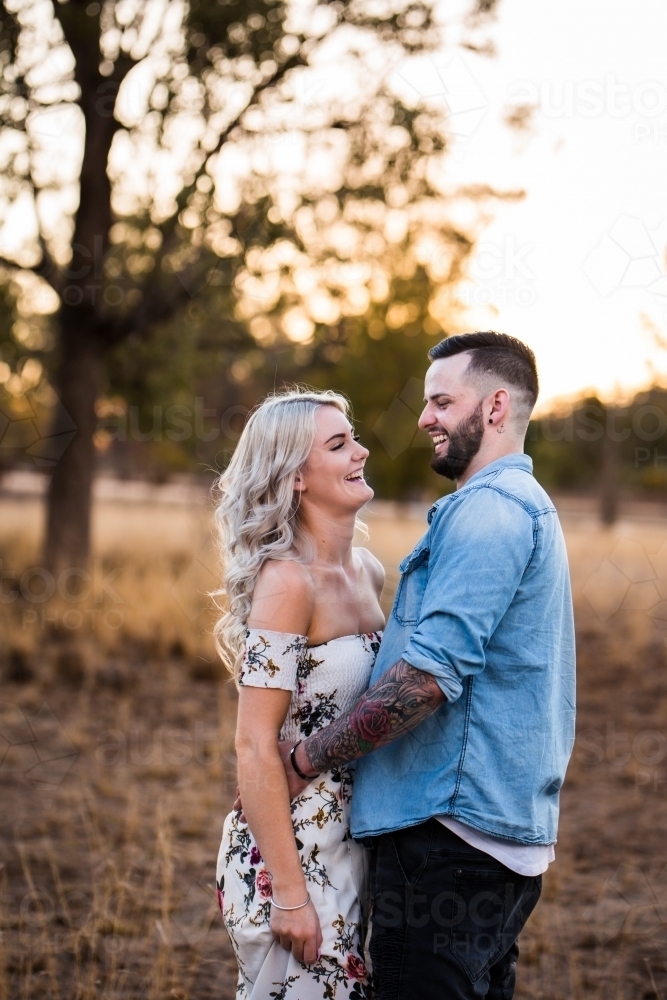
pixel 301 636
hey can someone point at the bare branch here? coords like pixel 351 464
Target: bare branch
pixel 154 307
pixel 46 269
pixel 169 226
pixel 11 265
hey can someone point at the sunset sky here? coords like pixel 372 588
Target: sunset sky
pixel 577 269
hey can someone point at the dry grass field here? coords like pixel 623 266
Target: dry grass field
pixel 117 767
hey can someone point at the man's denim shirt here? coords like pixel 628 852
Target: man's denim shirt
pixel 484 605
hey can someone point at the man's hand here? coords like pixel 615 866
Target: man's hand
pixel 295 784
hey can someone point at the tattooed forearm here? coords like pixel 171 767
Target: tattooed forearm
pixel 401 699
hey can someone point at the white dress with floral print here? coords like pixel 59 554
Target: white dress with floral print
pixel 326 681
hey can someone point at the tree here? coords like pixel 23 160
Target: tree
pixel 188 163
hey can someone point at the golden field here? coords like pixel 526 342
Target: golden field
pixel 116 741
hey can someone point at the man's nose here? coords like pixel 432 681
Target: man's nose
pixel 427 418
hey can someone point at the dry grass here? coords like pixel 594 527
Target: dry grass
pixel 113 795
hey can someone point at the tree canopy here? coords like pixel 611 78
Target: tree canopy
pixel 264 160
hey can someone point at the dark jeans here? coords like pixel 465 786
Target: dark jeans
pixel 445 918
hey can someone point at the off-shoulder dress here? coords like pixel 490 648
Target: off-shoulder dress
pixel 325 681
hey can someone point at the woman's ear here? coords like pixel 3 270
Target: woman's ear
pixel 299 483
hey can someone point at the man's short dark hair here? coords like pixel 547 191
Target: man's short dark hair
pixel 496 355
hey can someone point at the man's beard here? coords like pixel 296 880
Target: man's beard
pixel 464 443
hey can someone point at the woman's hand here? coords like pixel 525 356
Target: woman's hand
pixel 298 931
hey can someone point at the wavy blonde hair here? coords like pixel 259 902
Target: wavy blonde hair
pixel 258 517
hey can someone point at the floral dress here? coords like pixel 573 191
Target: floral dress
pixel 326 681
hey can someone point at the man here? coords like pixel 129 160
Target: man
pixel 467 727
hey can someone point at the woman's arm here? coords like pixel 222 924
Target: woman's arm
pixel 282 603
pixel 266 805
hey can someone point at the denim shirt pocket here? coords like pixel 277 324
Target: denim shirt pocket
pixel 410 593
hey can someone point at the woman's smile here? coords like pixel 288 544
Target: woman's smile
pixel 356 477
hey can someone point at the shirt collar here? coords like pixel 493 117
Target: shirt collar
pixel 519 460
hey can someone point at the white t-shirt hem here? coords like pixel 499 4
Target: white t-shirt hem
pixel 524 859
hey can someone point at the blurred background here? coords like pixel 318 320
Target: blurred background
pixel 202 202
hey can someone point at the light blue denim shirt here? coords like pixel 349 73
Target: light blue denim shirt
pixel 484 605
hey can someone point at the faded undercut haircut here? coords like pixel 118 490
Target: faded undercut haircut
pixel 497 360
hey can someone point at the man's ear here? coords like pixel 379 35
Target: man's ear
pixel 498 406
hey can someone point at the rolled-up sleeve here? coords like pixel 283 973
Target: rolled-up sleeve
pixel 480 549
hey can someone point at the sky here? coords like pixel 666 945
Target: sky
pixel 577 268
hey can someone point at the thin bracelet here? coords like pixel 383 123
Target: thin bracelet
pixel 292 757
pixel 300 906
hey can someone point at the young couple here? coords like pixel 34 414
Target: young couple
pixel 459 716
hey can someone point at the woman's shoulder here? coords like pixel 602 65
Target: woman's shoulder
pixel 287 571
pixel 372 565
pixel 283 598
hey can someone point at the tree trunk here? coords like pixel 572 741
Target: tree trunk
pixel 81 341
pixel 78 383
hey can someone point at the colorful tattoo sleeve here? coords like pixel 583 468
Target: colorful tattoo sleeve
pixel 399 701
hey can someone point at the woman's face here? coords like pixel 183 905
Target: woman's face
pixel 333 476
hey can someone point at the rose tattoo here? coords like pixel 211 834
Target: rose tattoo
pixel 397 702
pixel 371 721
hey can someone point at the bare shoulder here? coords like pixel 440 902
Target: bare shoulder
pixel 373 567
pixel 284 598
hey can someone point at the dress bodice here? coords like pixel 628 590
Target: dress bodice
pixel 325 680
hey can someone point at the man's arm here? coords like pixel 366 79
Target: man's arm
pixel 475 568
pixel 402 698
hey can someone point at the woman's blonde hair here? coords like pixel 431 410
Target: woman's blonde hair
pixel 257 517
